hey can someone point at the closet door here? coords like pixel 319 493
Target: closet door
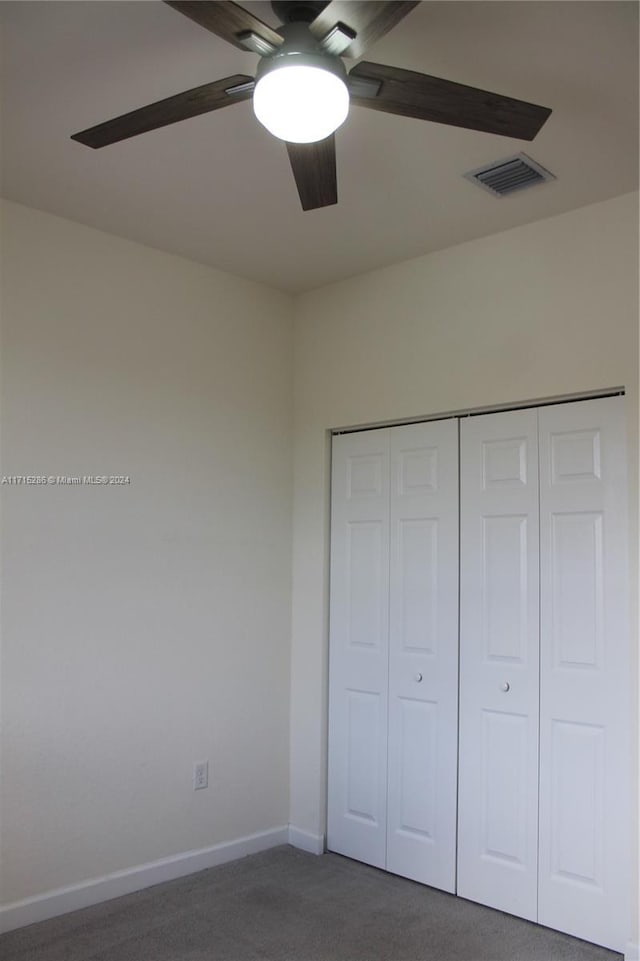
pixel 499 646
pixel 585 756
pixel 423 653
pixel 359 648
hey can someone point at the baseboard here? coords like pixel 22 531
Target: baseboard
pixel 632 952
pixel 62 900
pixel 305 840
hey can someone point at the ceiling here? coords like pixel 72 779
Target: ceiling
pixel 218 188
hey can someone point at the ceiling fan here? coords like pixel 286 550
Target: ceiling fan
pixel 302 91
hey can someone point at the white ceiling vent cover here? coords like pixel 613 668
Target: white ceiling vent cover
pixel 506 176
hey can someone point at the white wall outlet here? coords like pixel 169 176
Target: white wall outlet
pixel 200 775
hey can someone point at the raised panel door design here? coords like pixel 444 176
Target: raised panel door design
pixel 367 579
pixel 585 876
pixel 577 603
pixel 499 642
pixel 359 646
pixel 418 471
pixel 364 725
pixel 504 791
pixel 504 462
pixel 577 802
pixel 364 476
pixel 418 558
pixel 505 598
pixel 423 653
pixel 417 788
pixel 575 456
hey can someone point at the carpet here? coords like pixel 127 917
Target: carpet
pixel 286 905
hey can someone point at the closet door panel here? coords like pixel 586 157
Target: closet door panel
pixel 499 644
pixel 584 742
pixel 423 655
pixel 359 648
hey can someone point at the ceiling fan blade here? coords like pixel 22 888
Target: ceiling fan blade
pixel 227 20
pixel 211 96
pixel 314 169
pixel 369 19
pixel 442 101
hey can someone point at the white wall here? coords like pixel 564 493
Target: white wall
pixel 146 626
pixel 540 311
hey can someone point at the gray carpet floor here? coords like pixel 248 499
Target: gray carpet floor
pixel 285 905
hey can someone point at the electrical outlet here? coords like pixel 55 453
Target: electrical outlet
pixel 200 775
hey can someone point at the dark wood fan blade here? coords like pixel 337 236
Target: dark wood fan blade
pixel 227 20
pixel 211 96
pixel 370 19
pixel 314 169
pixel 430 98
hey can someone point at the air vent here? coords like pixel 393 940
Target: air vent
pixel 507 176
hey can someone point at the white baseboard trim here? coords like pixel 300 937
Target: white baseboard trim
pixel 305 840
pixel 62 900
pixel 632 952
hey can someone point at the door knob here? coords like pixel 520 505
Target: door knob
pixel 418 677
pixel 506 686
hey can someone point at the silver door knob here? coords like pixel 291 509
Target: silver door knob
pixel 506 686
pixel 418 677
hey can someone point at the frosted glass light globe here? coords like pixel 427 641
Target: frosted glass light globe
pixel 301 104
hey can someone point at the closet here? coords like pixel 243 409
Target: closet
pixel 479 718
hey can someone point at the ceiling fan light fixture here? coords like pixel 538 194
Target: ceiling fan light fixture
pixel 301 102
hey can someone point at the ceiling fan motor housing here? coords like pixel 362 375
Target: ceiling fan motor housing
pixel 300 48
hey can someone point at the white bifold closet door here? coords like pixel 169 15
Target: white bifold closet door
pixel 499 666
pixel 393 650
pixel 359 647
pixel 585 751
